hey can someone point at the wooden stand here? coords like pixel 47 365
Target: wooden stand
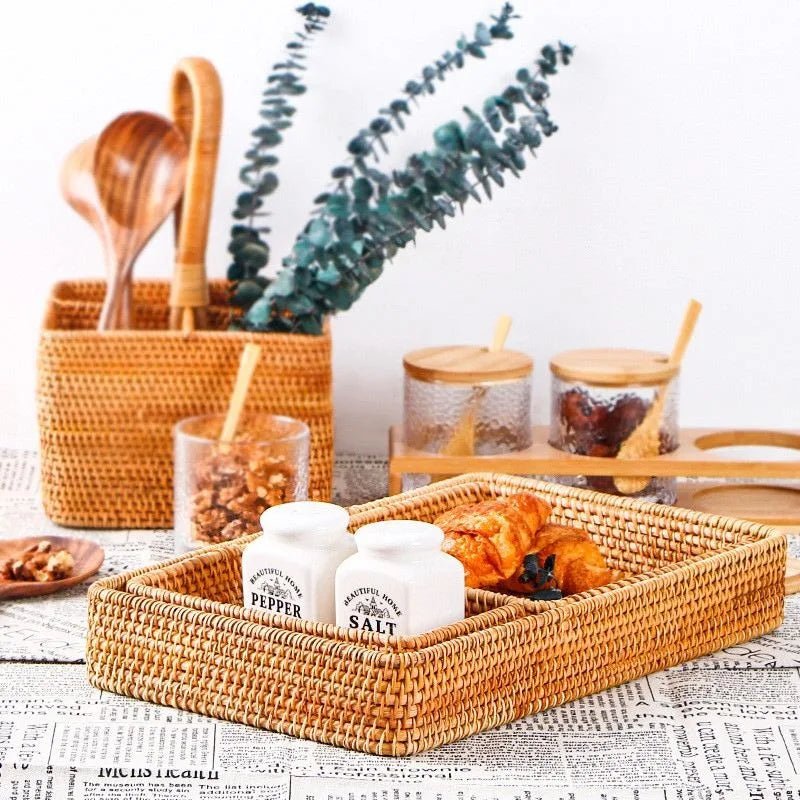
pixel 702 453
pixel 699 455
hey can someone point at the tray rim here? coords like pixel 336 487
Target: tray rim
pixel 136 583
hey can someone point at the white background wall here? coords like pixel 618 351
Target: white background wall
pixel 675 173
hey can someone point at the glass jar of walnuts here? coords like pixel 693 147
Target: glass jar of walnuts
pixel 221 488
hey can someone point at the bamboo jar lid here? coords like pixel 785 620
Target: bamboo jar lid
pixel 466 364
pixel 613 367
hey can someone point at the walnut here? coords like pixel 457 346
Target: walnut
pixel 237 528
pixel 202 501
pixel 229 493
pixel 40 563
pixel 215 518
pixel 59 566
pixel 232 491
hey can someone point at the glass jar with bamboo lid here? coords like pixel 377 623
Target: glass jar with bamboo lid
pixel 608 402
pixel 466 400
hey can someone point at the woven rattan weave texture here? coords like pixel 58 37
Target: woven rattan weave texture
pixel 107 402
pixel 178 635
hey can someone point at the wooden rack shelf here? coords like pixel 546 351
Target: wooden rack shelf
pixel 702 453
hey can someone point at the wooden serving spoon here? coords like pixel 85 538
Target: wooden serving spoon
pixel 645 440
pixel 140 171
pixel 88 560
pixel 79 189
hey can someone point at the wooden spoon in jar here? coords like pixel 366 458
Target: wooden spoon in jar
pixel 645 440
pixel 462 440
pixel 140 171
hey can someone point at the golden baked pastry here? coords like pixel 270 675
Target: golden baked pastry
pixel 579 565
pixel 491 538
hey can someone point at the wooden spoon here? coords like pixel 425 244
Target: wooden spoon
pixel 88 560
pixel 79 189
pixel 140 170
pixel 645 440
pixel 247 367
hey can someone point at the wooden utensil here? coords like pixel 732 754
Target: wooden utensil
pixel 462 440
pixel 247 366
pixel 644 441
pixel 79 189
pixel 140 169
pixel 196 101
pixel 88 560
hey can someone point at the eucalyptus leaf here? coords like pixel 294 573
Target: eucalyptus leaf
pixel 329 276
pixel 362 189
pixel 318 232
pixel 249 251
pixel 246 293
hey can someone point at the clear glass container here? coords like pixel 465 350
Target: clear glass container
pixel 221 489
pixel 467 400
pixel 599 398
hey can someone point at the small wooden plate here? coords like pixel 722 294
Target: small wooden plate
pixel 770 505
pixel 88 560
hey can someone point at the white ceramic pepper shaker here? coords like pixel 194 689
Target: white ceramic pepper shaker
pixel 290 568
pixel 400 582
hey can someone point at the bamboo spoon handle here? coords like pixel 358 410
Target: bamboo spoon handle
pixel 685 333
pixel 644 440
pixel 247 366
pixel 196 102
pixel 501 329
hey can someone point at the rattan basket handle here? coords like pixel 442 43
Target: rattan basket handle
pixel 196 107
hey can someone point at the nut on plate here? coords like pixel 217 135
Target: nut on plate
pixel 40 563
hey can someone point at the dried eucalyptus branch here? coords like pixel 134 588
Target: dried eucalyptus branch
pixel 364 142
pixel 373 214
pixel 368 141
pixel 248 245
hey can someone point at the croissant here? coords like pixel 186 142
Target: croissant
pixel 579 565
pixel 491 538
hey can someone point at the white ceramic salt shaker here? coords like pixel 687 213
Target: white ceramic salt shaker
pixel 290 568
pixel 400 582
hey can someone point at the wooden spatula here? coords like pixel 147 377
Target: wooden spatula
pixel 645 441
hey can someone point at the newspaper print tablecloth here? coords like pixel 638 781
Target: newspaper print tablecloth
pixel 727 725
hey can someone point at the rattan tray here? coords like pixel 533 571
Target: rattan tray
pixel 177 634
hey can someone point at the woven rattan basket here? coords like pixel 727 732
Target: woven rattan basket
pixel 107 402
pixel 177 634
